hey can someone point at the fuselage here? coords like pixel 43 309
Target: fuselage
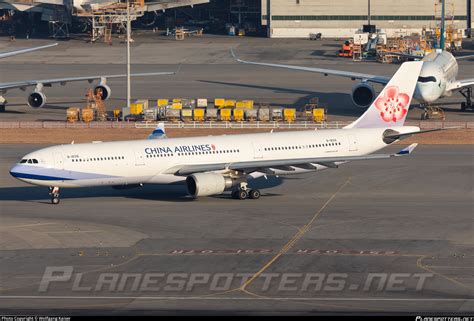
pixel 438 71
pixel 155 161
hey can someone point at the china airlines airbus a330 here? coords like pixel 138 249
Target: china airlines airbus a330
pixel 210 165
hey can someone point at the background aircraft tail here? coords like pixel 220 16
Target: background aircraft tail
pixel 390 108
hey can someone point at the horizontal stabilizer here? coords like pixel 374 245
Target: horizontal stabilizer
pixel 407 150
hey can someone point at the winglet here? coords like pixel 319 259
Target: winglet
pixel 159 132
pixel 407 150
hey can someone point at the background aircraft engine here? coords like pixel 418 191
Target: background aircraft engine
pixel 205 184
pixel 104 91
pixel 36 99
pixel 363 95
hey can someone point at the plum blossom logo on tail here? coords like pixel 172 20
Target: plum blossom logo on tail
pixel 393 105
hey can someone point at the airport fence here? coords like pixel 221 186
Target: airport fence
pixel 215 125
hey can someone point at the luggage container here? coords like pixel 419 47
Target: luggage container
pixel 72 114
pixel 219 102
pixel 248 104
pixel 263 114
pixel 319 115
pixel 87 115
pixel 226 114
pixel 136 109
pixel 199 114
pixel 202 103
pixel 177 100
pixel 229 103
pixel 239 114
pixel 144 103
pixel 239 104
pixel 116 114
pixel 276 114
pixel 186 114
pixel 211 114
pixel 251 114
pixel 289 114
pixel 162 102
pixel 150 114
pixel 173 115
pixel 189 103
pixel 177 106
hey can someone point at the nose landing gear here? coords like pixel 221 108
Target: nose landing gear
pixel 54 193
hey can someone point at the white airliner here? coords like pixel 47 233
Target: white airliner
pixel 437 79
pixel 37 98
pixel 209 165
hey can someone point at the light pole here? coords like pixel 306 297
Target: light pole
pixel 441 38
pixel 129 94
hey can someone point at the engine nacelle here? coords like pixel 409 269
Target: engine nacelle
pixel 103 90
pixel 36 99
pixel 205 184
pixel 363 95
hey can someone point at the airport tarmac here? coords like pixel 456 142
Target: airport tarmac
pixel 409 216
pixel 207 71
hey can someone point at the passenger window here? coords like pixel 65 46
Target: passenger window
pixel 23 161
pixel 35 161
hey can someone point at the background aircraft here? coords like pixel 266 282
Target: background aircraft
pixel 437 79
pixel 37 98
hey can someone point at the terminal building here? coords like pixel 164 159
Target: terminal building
pixel 300 18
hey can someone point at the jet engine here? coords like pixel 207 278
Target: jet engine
pixel 104 91
pixel 205 184
pixel 363 95
pixel 36 99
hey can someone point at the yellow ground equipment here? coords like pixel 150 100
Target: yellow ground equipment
pixel 95 102
pixel 239 114
pixel 199 114
pixel 136 108
pixel 289 114
pixel 87 115
pixel 186 114
pixel 319 115
pixel 177 106
pixel 226 114
pixel 229 103
pixel 72 114
pixel 219 102
pixel 162 102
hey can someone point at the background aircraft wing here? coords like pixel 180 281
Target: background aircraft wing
pixel 285 164
pixel 333 72
pixel 63 81
pixel 22 51
pixel 461 83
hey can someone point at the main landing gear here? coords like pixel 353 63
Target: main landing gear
pixel 467 93
pixel 242 192
pixel 54 193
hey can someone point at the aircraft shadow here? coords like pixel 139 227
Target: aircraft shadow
pixel 336 103
pixel 167 193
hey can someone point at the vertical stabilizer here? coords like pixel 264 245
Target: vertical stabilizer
pixel 390 108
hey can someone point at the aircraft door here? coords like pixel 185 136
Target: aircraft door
pixel 257 150
pixel 139 158
pixel 58 161
pixel 352 143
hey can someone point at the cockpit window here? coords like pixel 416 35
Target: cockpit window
pixel 29 161
pixel 427 79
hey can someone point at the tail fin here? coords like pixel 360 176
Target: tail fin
pixel 159 132
pixel 391 106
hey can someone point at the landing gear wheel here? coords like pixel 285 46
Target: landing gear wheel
pixel 254 194
pixel 54 193
pixel 55 200
pixel 242 194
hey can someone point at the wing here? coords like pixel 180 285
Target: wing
pixel 22 51
pixel 285 164
pixel 464 57
pixel 63 81
pixel 461 83
pixel 348 74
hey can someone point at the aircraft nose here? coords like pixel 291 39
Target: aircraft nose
pixel 16 171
